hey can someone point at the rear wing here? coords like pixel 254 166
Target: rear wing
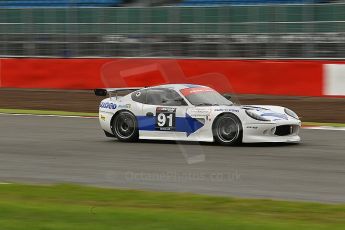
pixel 114 91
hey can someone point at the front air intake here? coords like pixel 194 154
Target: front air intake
pixel 284 130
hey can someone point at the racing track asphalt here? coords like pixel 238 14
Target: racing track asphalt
pixel 52 150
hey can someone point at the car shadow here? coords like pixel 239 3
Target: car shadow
pixel 168 142
pixel 268 144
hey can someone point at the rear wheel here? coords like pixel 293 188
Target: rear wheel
pixel 227 130
pixel 125 127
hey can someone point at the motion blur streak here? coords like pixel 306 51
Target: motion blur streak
pixel 50 149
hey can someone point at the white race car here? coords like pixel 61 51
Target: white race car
pixel 185 112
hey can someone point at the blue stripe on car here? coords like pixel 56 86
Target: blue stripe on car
pixel 186 124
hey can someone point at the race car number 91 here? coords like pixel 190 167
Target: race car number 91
pixel 165 118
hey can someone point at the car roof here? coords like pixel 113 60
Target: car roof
pixel 177 86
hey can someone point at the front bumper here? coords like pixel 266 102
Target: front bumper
pixel 272 132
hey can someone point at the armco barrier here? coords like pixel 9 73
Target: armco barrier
pixel 297 78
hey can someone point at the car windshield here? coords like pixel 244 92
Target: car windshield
pixel 204 96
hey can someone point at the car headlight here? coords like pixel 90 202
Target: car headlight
pixel 291 113
pixel 256 116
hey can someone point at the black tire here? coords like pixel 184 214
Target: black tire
pixel 125 127
pixel 227 130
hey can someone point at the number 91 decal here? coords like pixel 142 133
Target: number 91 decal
pixel 165 119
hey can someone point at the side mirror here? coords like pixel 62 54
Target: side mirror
pixel 101 92
pixel 227 96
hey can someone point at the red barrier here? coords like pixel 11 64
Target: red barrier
pixel 51 73
pixel 300 78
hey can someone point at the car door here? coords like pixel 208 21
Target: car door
pixel 162 115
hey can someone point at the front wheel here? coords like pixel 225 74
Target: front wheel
pixel 125 127
pixel 227 130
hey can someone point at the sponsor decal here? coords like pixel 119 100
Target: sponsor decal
pixel 199 112
pixel 165 109
pixel 252 127
pixel 102 117
pixel 227 110
pixel 126 106
pixel 189 91
pixel 107 105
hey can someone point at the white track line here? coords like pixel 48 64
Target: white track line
pixel 4 183
pixel 46 115
pixel 326 128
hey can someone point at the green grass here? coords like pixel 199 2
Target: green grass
pixel 47 112
pixel 46 207
pixel 323 124
pixel 82 114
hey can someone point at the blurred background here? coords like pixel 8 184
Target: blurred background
pixel 249 29
pixel 53 53
pixel 284 52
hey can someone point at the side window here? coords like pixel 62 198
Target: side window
pixel 139 96
pixel 166 97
